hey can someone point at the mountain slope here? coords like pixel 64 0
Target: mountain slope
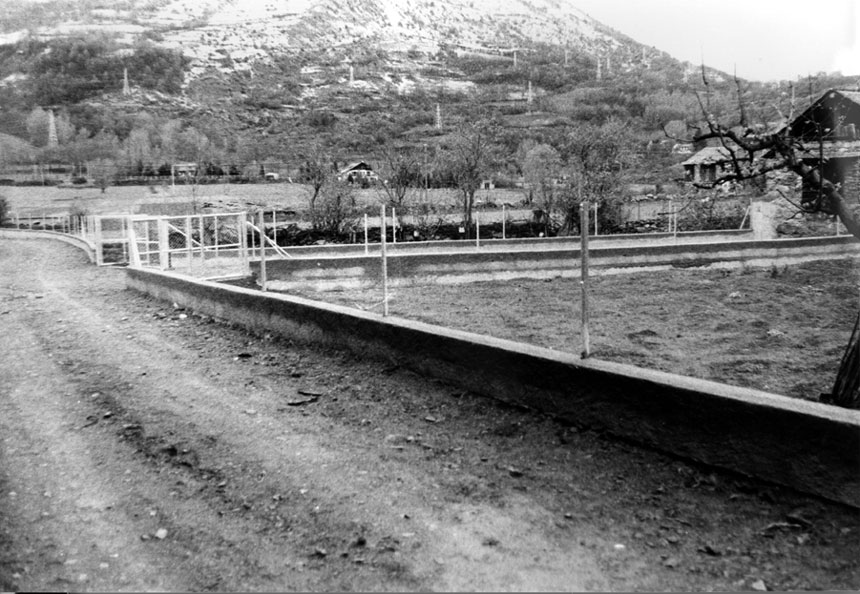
pixel 259 30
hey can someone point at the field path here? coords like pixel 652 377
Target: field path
pixel 144 447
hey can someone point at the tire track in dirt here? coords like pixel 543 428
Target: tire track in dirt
pixel 67 525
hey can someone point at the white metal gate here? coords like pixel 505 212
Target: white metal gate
pixel 203 245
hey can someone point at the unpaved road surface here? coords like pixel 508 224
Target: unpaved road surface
pixel 144 447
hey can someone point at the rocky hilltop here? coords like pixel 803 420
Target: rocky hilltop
pixel 237 35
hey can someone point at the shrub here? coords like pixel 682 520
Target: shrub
pixel 4 209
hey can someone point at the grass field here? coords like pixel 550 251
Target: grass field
pixel 779 330
pixel 39 200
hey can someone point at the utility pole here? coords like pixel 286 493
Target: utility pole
pixel 52 130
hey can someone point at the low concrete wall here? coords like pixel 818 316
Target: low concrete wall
pixel 78 242
pixel 808 446
pixel 405 269
pixel 528 243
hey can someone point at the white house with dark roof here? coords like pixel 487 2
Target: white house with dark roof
pixel 357 172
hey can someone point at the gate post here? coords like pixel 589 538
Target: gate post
pixel 100 256
pixel 163 244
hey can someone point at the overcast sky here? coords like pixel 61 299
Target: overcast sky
pixel 765 39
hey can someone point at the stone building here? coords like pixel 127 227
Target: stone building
pixel 830 131
pixel 707 165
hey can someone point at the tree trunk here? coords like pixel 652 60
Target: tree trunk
pixel 468 202
pixel 834 198
pixel 846 390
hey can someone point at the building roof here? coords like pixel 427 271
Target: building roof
pixel 710 155
pixel 826 114
pixel 354 166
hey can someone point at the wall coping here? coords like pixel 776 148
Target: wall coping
pixel 79 242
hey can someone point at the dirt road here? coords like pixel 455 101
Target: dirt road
pixel 143 447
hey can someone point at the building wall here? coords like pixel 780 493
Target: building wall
pixel 851 185
pixel 845 171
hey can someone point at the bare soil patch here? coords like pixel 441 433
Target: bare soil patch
pixel 38 200
pixel 782 330
pixel 145 447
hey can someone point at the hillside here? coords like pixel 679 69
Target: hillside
pixel 239 82
pixel 241 35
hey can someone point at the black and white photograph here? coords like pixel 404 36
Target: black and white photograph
pixel 429 295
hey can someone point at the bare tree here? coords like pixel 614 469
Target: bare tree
pixel 103 172
pixel 316 171
pixel 797 145
pixel 597 157
pixel 542 170
pixel 334 209
pixel 401 173
pixel 753 153
pixel 470 158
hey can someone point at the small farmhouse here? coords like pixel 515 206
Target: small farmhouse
pixel 830 128
pixel 185 169
pixel 706 165
pixel 357 172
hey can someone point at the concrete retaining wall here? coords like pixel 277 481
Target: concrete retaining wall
pixel 78 242
pixel 405 269
pixel 804 445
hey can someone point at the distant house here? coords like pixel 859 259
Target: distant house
pixel 185 169
pixel 357 173
pixel 830 128
pixel 707 165
pixel 682 148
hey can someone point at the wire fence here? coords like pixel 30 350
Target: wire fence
pixel 224 245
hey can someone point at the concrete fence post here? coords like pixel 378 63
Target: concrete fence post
pixel 243 242
pixel 763 220
pixel 189 251
pixel 100 256
pixel 504 219
pixel 262 251
pixel 384 266
pixel 215 233
pixel 163 245
pixel 202 243
pixel 133 252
